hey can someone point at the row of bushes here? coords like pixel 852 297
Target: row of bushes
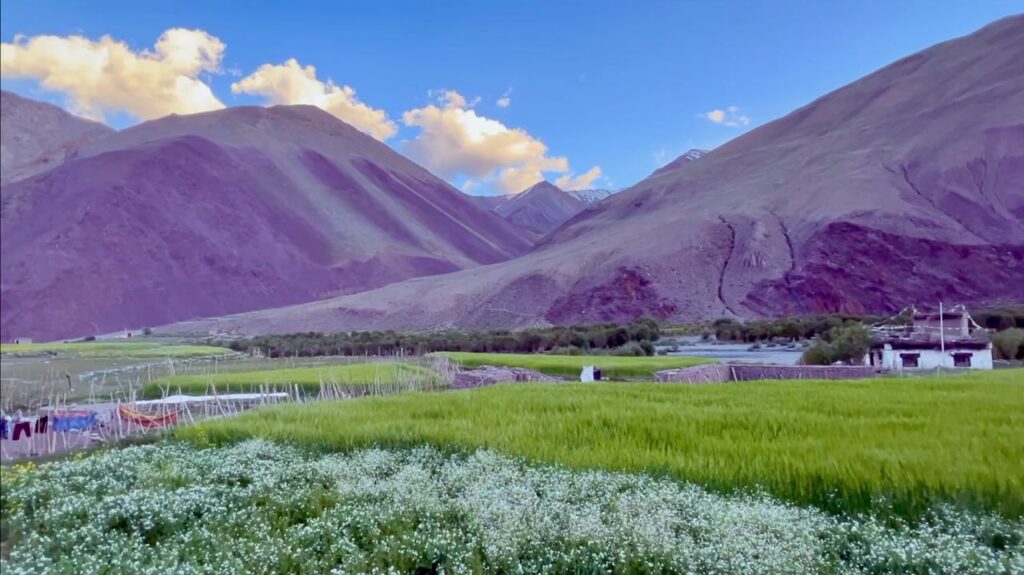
pixel 812 326
pixel 792 328
pixel 583 339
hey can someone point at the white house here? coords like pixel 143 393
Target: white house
pixel 899 355
pixel 932 341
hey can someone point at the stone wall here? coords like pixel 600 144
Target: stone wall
pixel 490 375
pixel 711 373
pixel 746 372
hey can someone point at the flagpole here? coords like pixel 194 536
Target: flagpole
pixel 942 332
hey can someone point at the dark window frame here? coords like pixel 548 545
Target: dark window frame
pixel 914 360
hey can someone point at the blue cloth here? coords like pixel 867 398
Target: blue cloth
pixel 3 428
pixel 73 421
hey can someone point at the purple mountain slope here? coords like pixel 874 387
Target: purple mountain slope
pixel 906 186
pixel 223 212
pixel 35 136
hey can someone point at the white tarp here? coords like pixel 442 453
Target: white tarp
pixel 180 399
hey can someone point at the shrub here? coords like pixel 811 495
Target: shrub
pixel 847 344
pixel 632 349
pixel 567 350
pixel 1009 344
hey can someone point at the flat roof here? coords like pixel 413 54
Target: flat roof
pixel 922 344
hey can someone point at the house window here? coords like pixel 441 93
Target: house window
pixel 910 359
pixel 962 359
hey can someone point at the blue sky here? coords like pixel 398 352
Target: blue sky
pixel 615 85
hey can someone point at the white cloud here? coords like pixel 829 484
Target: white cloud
pixel 291 83
pixel 730 116
pixel 505 100
pixel 581 182
pixel 106 75
pixel 455 140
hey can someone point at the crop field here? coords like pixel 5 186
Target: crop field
pixel 262 507
pixel 570 365
pixel 889 445
pixel 360 378
pixel 115 349
pixel 915 475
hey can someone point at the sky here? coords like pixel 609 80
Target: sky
pixel 492 96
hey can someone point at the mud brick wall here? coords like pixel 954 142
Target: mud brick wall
pixel 490 375
pixel 721 373
pixel 712 373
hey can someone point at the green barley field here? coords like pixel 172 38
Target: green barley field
pixel 570 365
pixel 115 349
pixel 359 378
pixel 890 444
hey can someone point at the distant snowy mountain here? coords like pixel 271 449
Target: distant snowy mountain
pixel 689 157
pixel 540 208
pixel 591 196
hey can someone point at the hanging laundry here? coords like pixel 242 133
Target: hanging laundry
pixel 3 428
pixel 41 423
pixel 23 426
pixel 73 420
pixel 145 420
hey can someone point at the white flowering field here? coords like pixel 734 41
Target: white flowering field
pixel 262 507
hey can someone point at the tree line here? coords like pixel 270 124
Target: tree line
pixel 635 338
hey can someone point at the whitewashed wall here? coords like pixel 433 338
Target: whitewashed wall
pixel 933 358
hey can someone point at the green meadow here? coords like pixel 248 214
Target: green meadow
pixel 115 349
pixel 899 445
pixel 356 378
pixel 570 365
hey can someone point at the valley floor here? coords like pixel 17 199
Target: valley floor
pixel 889 475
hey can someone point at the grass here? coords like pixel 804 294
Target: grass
pixel 114 349
pixel 570 365
pixel 357 378
pixel 892 444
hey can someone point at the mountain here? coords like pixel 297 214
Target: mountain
pixel 683 161
pixel 903 187
pixel 227 211
pixel 591 196
pixel 35 136
pixel 540 208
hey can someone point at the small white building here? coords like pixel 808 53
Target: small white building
pixel 900 355
pixel 18 340
pixel 932 341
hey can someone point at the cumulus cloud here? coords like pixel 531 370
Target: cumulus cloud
pixel 580 182
pixel 454 139
pixel 291 83
pixel 730 116
pixel 107 75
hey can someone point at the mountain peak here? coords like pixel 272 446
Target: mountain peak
pixel 37 136
pixel 541 187
pixel 688 157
